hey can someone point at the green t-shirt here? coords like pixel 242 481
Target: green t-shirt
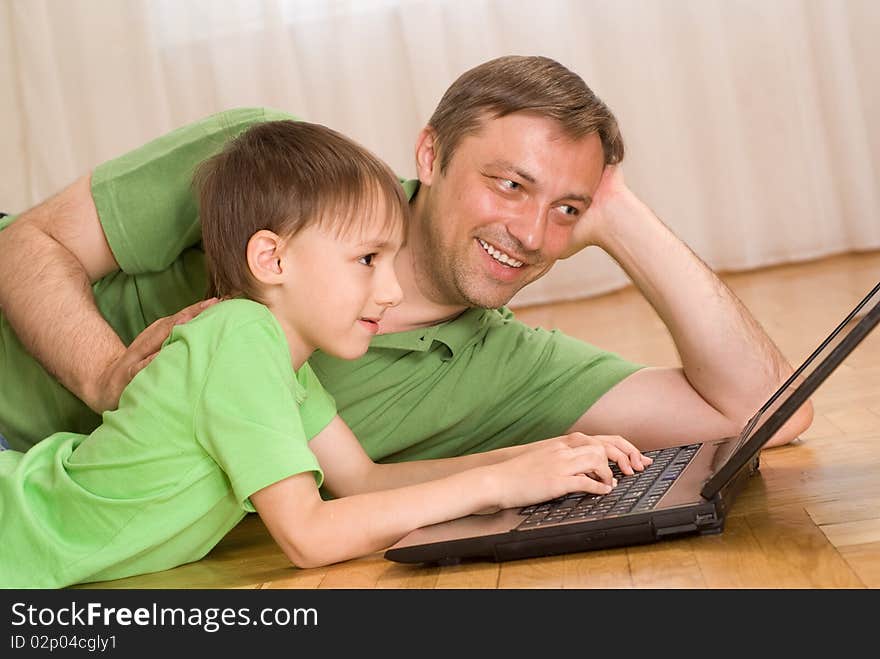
pixel 480 381
pixel 218 415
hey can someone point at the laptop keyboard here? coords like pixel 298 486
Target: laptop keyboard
pixel 636 493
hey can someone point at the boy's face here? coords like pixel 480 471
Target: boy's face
pixel 338 287
pixel 504 210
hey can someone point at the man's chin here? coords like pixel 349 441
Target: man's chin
pixel 488 296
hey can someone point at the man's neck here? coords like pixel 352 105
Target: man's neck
pixel 418 308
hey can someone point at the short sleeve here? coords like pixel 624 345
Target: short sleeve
pixel 318 408
pixel 145 199
pixel 248 417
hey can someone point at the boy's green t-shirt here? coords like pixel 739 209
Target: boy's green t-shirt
pixel 219 414
pixel 478 382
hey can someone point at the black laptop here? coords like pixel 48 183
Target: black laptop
pixel 687 490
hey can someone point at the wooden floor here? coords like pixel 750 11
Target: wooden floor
pixel 810 519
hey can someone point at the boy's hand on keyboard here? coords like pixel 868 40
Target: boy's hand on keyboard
pixel 617 449
pixel 625 454
pixel 553 468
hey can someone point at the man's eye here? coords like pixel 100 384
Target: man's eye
pixel 367 259
pixel 569 210
pixel 508 184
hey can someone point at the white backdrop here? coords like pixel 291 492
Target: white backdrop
pixel 751 125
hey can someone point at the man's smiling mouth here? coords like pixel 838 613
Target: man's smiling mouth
pixel 499 256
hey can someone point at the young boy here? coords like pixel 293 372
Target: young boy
pixel 300 230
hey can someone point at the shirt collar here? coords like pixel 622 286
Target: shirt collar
pixel 455 334
pixel 410 187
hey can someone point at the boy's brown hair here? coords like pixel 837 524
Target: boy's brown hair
pixel 284 176
pixel 515 83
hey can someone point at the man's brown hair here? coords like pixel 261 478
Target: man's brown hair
pixel 284 176
pixel 515 83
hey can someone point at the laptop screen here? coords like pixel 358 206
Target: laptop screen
pixel 795 391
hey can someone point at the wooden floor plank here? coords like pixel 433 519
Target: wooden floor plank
pixel 858 532
pixel 670 564
pixel 607 568
pixel 846 510
pixel 533 573
pixel 798 553
pixel 863 561
pixel 734 558
pixel 470 575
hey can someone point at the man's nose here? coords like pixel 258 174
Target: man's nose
pixel 529 228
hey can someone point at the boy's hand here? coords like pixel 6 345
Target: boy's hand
pixel 553 468
pixel 617 449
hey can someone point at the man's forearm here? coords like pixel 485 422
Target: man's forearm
pixel 52 309
pixel 726 355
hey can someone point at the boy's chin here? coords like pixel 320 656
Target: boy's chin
pixel 346 352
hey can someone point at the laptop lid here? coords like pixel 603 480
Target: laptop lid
pixel 788 398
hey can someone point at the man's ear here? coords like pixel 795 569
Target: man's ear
pixel 426 155
pixel 264 251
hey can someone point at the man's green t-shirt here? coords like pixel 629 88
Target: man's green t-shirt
pixel 219 414
pixel 481 381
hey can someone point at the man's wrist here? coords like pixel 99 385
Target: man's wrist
pixel 624 219
pixel 95 383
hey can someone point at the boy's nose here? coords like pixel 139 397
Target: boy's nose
pixel 389 293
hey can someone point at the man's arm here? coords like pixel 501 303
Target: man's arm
pixel 729 364
pixel 49 257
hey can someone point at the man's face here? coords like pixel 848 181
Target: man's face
pixel 504 210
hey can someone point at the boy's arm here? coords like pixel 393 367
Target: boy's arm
pixel 49 258
pixel 315 532
pixel 351 471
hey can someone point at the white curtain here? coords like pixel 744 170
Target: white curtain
pixel 751 125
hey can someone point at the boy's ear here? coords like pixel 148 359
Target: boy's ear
pixel 264 250
pixel 426 155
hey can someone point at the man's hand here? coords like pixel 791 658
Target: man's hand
pixel 129 362
pixel 611 199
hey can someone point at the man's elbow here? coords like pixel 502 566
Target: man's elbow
pixel 794 427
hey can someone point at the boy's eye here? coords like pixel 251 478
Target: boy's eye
pixel 507 184
pixel 569 210
pixel 367 259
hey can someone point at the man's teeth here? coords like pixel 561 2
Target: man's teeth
pixel 500 256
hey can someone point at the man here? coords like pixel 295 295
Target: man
pixel 518 167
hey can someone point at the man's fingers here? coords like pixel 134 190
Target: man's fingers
pixel 134 369
pixel 152 338
pixel 193 310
